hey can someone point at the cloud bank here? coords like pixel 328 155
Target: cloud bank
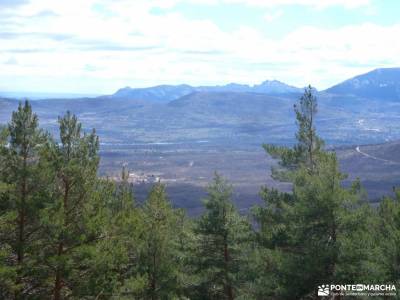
pixel 101 45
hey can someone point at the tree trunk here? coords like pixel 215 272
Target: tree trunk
pixel 228 287
pixel 311 140
pixel 21 224
pixel 21 229
pixel 153 279
pixel 58 280
pixel 21 217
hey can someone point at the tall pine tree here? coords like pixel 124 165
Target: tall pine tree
pixel 22 200
pixel 304 235
pixel 156 275
pixel 309 145
pixel 220 248
pixel 70 220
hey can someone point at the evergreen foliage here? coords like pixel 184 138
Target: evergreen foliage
pixel 309 145
pixel 21 201
pixel 221 237
pixel 320 228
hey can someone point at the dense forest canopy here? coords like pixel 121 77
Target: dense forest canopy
pixel 66 233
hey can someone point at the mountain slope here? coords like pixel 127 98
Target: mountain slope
pixel 160 93
pixel 381 84
pixel 275 87
pixel 167 93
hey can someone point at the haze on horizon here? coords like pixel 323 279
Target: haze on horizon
pixel 99 46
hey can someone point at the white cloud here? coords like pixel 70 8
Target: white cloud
pixel 106 44
pixel 272 16
pixel 320 4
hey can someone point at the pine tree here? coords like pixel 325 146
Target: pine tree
pixel 388 234
pixel 318 212
pixel 359 241
pixel 70 221
pixel 22 201
pixel 308 146
pixel 304 235
pixel 7 216
pixel 185 243
pixel 125 228
pixel 156 276
pixel 221 234
pixel 274 240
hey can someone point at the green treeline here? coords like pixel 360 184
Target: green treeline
pixel 65 233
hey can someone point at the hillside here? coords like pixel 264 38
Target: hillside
pixel 383 84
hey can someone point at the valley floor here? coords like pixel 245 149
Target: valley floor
pixel 187 168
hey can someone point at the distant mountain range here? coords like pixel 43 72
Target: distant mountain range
pixel 361 110
pixel 381 84
pixel 167 93
pixel 378 84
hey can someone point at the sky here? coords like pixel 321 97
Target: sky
pixel 99 46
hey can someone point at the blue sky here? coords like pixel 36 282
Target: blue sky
pixel 98 46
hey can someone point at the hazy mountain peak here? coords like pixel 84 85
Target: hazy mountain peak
pixel 383 83
pixel 237 85
pixel 275 87
pixel 159 93
pixel 272 82
pixel 124 89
